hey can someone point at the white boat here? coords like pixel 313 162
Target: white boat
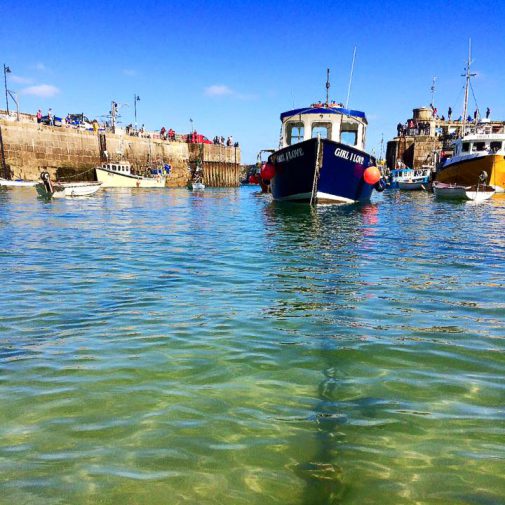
pixel 197 186
pixel 18 183
pixel 118 175
pixel 477 193
pixel 48 189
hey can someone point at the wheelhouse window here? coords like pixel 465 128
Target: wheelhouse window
pixel 322 130
pixel 349 133
pixel 479 146
pixel 465 147
pixel 495 146
pixel 295 133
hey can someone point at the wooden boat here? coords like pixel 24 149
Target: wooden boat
pixel 477 193
pixel 481 147
pixel 48 189
pixel 18 183
pixel 321 157
pixel 118 175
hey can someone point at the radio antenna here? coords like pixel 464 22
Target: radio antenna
pixel 327 86
pixel 350 78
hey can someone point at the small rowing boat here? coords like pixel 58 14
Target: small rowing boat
pixel 48 189
pixel 477 193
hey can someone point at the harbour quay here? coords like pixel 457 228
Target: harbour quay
pixel 28 148
pixel 422 139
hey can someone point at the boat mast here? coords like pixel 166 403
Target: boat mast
pixel 433 92
pixel 350 78
pixel 327 86
pixel 467 76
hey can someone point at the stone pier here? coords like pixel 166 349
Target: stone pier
pixel 29 148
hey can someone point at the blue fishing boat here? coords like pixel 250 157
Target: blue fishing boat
pixel 321 158
pixel 411 179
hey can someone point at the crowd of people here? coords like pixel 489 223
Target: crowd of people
pixel 422 127
pixel 79 120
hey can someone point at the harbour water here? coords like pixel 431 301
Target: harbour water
pixel 217 348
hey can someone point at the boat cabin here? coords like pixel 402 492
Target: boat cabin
pixel 327 122
pixel 480 144
pixel 121 167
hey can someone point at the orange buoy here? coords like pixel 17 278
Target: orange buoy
pixel 372 175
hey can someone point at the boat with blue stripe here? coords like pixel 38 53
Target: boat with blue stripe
pixel 321 158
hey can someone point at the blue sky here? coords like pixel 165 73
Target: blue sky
pixel 233 67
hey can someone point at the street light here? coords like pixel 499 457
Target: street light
pixel 136 99
pixel 7 70
pixel 191 121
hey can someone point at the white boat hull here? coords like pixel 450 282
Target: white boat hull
pixel 458 192
pixel 111 179
pixel 18 184
pixel 69 189
pixel 198 186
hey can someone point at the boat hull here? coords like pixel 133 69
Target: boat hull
pixel 340 177
pixel 18 184
pixel 412 186
pixel 66 190
pixel 458 192
pixel 467 171
pixel 111 179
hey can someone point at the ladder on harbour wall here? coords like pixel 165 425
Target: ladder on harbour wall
pixel 5 169
pixel 103 146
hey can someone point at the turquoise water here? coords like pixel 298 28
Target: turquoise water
pixel 166 347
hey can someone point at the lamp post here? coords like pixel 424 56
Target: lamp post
pixel 7 70
pixel 191 122
pixel 136 99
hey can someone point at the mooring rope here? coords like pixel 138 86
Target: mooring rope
pixel 317 168
pixel 76 175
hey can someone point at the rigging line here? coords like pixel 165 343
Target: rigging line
pixel 475 99
pixel 76 175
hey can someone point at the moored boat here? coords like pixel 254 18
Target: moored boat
pixel 477 193
pixel 410 179
pixel 49 189
pixel 118 175
pixel 321 158
pixel 480 148
pixel 18 183
pixel 474 153
pixel 197 186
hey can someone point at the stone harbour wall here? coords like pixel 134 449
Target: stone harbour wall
pixel 29 148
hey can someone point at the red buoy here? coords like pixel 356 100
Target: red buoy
pixel 372 175
pixel 267 171
pixel 253 179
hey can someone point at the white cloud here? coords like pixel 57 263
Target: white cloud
pixel 129 72
pixel 41 90
pixel 219 90
pixel 20 80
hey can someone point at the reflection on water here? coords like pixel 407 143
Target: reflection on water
pixel 216 347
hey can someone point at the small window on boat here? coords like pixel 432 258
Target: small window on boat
pixel 349 137
pixel 295 133
pixel 495 146
pixel 479 146
pixel 465 147
pixel 322 130
pixel 108 166
pixel 349 133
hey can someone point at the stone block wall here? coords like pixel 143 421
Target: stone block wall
pixel 30 148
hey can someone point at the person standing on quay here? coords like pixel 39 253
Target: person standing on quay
pixel 449 113
pixel 39 116
pixel 488 113
pixel 50 118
